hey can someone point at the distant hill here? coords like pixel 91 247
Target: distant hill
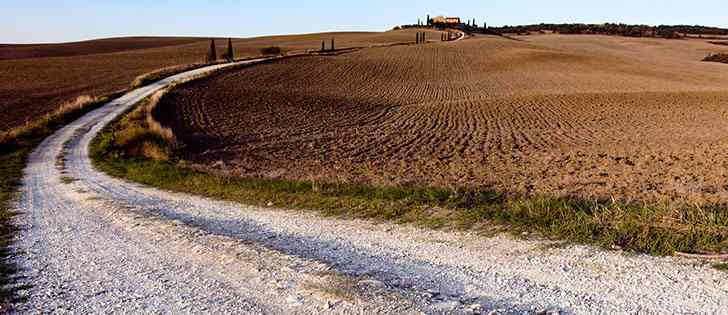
pixel 90 47
pixel 36 78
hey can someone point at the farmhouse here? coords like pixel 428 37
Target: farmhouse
pixel 445 20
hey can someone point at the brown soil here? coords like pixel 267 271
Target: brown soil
pixel 595 116
pixel 36 79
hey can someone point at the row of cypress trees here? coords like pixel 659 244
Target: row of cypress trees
pixel 420 38
pixel 229 55
pixel 323 45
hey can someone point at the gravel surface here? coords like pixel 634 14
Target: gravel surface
pixel 96 244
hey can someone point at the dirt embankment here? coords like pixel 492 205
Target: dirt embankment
pixel 592 116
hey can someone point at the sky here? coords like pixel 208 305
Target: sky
pixel 44 21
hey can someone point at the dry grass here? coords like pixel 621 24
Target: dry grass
pixel 162 73
pixel 43 123
pixel 139 134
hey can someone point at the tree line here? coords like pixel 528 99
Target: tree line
pixel 632 30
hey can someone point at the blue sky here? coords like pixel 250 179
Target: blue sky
pixel 26 21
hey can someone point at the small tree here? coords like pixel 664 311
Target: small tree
pixel 323 45
pixel 211 54
pixel 271 50
pixel 428 20
pixel 229 55
pixel 332 45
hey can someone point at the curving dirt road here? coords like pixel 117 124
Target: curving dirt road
pixel 96 244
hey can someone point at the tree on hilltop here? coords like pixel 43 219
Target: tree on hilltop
pixel 229 55
pixel 211 54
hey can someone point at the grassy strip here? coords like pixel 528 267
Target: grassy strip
pixel 15 147
pixel 658 230
pixel 159 74
pixel 162 73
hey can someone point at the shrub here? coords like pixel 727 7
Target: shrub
pixel 717 58
pixel 211 54
pixel 229 55
pixel 271 50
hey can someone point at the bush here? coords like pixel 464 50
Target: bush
pixel 271 50
pixel 717 58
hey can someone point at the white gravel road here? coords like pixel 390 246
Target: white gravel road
pixel 103 245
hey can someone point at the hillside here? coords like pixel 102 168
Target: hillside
pixel 36 79
pixel 593 116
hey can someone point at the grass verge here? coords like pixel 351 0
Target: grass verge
pixel 162 73
pixel 654 229
pixel 159 74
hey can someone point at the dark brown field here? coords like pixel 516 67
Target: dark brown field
pixel 593 116
pixel 37 79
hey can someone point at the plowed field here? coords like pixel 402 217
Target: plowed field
pixel 593 116
pixel 36 79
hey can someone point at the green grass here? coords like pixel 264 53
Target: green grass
pixel 654 229
pixel 11 172
pixel 67 179
pixel 721 267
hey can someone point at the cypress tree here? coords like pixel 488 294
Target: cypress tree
pixel 323 45
pixel 332 44
pixel 211 54
pixel 229 55
pixel 428 20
